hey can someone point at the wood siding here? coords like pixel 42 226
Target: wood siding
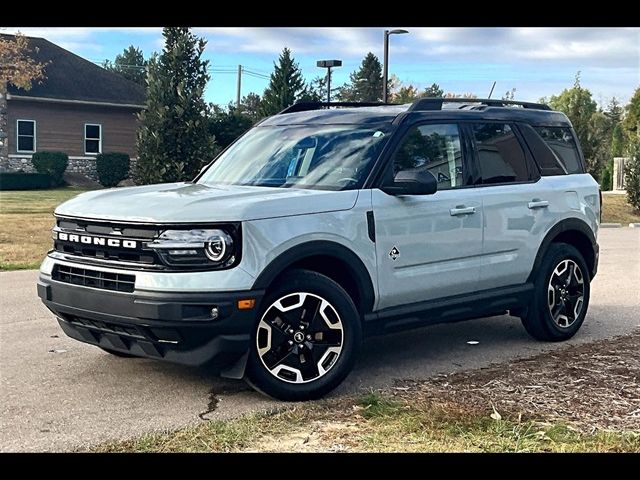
pixel 60 127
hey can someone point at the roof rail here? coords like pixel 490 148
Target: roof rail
pixel 305 106
pixel 436 103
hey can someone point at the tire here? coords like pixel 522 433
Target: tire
pixel 117 353
pixel 561 262
pixel 298 356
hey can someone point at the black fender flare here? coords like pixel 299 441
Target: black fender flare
pixel 566 225
pixel 355 266
pixel 299 252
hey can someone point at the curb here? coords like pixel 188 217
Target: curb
pixel 634 225
pixel 610 225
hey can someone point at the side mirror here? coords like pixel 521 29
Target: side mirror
pixel 412 182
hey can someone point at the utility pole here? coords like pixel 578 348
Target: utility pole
pixel 239 86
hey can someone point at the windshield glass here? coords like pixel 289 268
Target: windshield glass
pixel 332 157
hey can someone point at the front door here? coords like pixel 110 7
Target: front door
pixel 429 246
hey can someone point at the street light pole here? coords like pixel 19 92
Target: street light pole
pixel 328 64
pixel 385 69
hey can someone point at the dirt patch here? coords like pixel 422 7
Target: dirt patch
pixel 592 386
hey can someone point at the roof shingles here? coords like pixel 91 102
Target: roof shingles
pixel 70 77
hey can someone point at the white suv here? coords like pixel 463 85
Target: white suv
pixel 323 225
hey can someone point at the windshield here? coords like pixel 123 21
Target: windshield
pixel 332 157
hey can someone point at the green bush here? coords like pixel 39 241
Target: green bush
pixel 24 181
pixel 112 168
pixel 607 177
pixel 51 163
pixel 632 177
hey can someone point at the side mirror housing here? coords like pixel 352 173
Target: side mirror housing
pixel 412 182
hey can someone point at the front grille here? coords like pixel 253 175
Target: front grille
pixel 117 282
pixel 99 254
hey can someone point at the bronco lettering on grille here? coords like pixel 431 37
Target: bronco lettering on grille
pixel 100 241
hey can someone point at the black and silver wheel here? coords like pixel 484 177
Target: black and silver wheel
pixel 561 295
pixel 306 338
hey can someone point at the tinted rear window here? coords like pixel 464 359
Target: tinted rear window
pixel 500 155
pixel 560 140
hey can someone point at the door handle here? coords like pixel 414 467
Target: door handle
pixel 462 210
pixel 535 203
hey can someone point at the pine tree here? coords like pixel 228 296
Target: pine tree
pixel 130 64
pixel 365 83
pixel 433 91
pixel 173 138
pixel 286 85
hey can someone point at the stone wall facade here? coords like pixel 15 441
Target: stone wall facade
pixel 85 166
pixel 4 130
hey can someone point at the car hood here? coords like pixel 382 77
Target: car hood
pixel 194 203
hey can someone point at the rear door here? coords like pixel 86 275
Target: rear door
pixel 429 246
pixel 515 203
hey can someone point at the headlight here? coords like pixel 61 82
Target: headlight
pixel 197 247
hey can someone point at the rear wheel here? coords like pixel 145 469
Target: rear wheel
pixel 561 295
pixel 306 339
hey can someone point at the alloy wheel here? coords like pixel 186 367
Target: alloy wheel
pixel 300 337
pixel 565 293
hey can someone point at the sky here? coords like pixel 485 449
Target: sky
pixel 536 61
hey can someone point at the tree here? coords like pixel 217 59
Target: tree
pixel 433 91
pixel 578 105
pixel 316 90
pixel 509 95
pixel 632 174
pixel 365 84
pixel 227 125
pixel 250 106
pixel 618 142
pixel 173 138
pixel 130 64
pixel 631 122
pixel 286 85
pixel 17 67
pixel 406 94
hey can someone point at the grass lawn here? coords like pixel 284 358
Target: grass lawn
pixel 25 225
pixel 615 209
pixel 583 398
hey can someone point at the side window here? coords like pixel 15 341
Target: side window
pixel 434 148
pixel 92 138
pixel 26 136
pixel 562 143
pixel 545 158
pixel 500 155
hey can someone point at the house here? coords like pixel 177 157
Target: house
pixel 80 109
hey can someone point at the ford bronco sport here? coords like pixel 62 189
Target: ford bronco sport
pixel 323 225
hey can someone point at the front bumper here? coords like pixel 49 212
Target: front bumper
pixel 172 326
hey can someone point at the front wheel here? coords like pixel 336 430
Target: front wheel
pixel 561 295
pixel 306 339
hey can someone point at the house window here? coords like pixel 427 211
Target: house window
pixel 26 136
pixel 92 138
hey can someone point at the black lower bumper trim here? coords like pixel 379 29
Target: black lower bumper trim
pixel 176 327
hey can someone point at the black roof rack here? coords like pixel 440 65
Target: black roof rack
pixel 436 103
pixel 305 106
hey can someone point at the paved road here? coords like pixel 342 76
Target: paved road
pixel 58 394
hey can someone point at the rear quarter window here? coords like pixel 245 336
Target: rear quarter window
pixel 563 145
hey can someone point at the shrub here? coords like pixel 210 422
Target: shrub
pixel 112 168
pixel 24 181
pixel 53 164
pixel 607 177
pixel 632 177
